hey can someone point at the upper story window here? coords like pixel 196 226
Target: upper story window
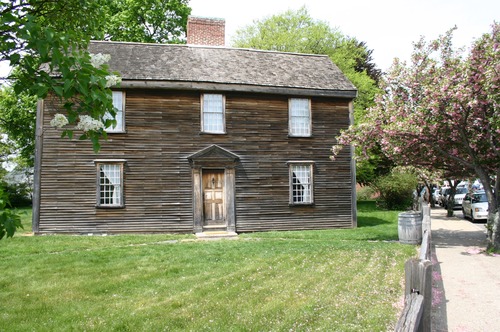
pixel 301 183
pixel 119 104
pixel 299 117
pixel 213 113
pixel 109 183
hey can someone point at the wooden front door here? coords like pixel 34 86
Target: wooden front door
pixel 213 197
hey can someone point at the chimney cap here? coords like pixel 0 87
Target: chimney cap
pixel 191 17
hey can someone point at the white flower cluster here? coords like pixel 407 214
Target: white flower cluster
pixel 87 123
pixel 59 121
pixel 112 80
pixel 335 151
pixel 97 60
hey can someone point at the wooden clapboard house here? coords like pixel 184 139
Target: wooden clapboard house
pixel 207 138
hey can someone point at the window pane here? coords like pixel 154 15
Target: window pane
pixel 301 184
pixel 300 117
pixel 213 113
pixel 118 104
pixel 110 192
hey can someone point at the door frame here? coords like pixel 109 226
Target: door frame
pixel 214 157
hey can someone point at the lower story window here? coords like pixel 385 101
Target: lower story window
pixel 109 184
pixel 301 183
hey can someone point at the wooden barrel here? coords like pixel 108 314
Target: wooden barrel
pixel 410 227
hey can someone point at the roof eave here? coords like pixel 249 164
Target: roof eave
pixel 226 87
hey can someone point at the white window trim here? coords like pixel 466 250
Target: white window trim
pixel 290 129
pixel 223 115
pixel 98 163
pixel 111 130
pixel 306 163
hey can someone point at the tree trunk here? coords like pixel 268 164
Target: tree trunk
pixel 430 194
pixel 449 206
pixel 493 223
pixel 493 226
pixel 450 200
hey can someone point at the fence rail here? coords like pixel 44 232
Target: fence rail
pixel 416 315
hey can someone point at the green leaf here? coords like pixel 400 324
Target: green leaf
pixel 14 59
pixel 41 90
pixel 95 144
pixel 58 90
pixel 68 89
pixel 68 133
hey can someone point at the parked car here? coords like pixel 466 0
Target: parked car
pixel 459 197
pixel 475 206
pixel 443 196
pixel 436 194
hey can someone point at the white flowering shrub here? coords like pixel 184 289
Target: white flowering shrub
pixel 112 80
pixel 97 60
pixel 59 121
pixel 87 123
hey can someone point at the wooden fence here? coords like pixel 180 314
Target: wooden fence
pixel 416 315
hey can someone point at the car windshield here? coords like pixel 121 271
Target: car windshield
pixel 477 198
pixel 461 191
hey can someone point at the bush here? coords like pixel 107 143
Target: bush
pixel 19 194
pixel 396 190
pixel 10 221
pixel 364 193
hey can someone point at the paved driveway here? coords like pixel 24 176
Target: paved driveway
pixel 466 282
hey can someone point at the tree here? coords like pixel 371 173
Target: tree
pixel 147 21
pixel 46 41
pixel 441 111
pixel 17 121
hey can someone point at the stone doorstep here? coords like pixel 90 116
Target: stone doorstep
pixel 217 235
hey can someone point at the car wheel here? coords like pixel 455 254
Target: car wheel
pixel 472 216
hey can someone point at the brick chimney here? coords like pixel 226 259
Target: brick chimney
pixel 206 31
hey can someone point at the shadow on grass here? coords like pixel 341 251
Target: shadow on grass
pixel 367 206
pixel 372 222
pixel 376 224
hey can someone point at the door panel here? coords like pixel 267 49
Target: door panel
pixel 213 197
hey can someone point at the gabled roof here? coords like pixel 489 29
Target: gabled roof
pixel 213 155
pixel 224 69
pixel 214 152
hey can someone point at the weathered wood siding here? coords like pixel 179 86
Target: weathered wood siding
pixel 162 130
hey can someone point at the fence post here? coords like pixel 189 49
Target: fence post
pixel 426 228
pixel 426 218
pixel 418 276
pixel 412 314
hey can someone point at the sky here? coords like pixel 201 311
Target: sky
pixel 389 27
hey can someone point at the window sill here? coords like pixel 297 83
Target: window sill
pixel 209 133
pixel 300 204
pixel 111 207
pixel 116 132
pixel 296 136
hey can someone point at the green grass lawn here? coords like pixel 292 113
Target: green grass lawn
pixel 342 280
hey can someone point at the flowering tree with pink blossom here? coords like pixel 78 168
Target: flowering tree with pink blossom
pixel 441 111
